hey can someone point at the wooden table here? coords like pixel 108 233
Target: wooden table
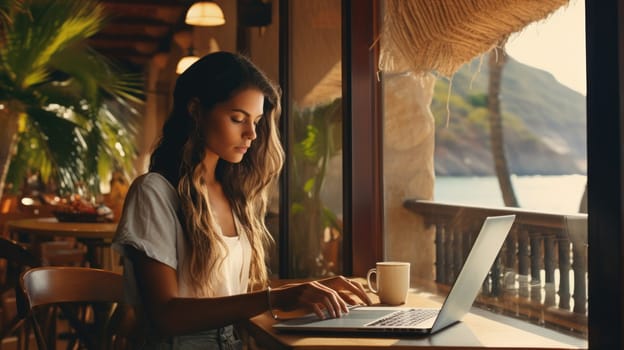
pixel 478 329
pixel 92 234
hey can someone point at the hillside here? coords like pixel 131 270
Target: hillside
pixel 544 123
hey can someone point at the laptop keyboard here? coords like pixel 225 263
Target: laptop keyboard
pixel 405 318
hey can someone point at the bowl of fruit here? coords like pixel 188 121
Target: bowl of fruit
pixel 77 209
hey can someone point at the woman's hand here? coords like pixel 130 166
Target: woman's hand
pixel 330 296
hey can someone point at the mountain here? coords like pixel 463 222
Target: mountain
pixel 543 122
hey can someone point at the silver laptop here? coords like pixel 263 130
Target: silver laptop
pixel 409 320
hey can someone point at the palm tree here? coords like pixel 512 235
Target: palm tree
pixel 496 63
pixel 59 99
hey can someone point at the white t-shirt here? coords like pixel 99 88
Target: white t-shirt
pixel 150 223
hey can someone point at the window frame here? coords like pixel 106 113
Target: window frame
pixel 362 137
pixel 362 186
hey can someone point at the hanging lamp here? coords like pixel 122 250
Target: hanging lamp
pixel 186 61
pixel 205 13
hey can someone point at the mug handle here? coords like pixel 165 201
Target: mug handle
pixel 368 279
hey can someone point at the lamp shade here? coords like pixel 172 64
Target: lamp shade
pixel 185 62
pixel 205 13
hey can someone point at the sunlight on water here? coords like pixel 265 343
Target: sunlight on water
pixel 553 194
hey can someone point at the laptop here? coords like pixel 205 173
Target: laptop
pixel 413 321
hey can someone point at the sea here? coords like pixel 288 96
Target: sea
pixel 559 194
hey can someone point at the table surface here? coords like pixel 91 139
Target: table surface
pixel 478 329
pixel 52 227
pixel 95 235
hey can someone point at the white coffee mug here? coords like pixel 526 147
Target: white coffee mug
pixel 392 281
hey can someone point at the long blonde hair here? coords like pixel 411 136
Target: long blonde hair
pixel 216 78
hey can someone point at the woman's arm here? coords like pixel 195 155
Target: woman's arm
pixel 173 315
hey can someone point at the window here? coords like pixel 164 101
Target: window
pixel 604 139
pixel 314 149
pixel 444 167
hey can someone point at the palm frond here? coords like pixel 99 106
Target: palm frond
pixel 93 74
pixel 7 9
pixel 30 155
pixel 57 140
pixel 116 149
pixel 49 28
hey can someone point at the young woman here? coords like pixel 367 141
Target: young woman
pixel 192 232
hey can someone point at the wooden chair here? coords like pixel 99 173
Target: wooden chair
pixel 63 252
pixel 14 259
pixel 90 300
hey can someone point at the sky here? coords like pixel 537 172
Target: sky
pixel 556 45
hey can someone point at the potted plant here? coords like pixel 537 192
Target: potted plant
pixel 317 137
pixel 65 110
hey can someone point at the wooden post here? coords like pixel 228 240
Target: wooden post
pixel 439 258
pixel 564 273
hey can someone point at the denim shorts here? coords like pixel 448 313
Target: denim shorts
pixel 214 339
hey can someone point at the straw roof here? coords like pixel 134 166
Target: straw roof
pixel 441 35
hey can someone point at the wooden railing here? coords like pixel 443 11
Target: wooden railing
pixel 541 271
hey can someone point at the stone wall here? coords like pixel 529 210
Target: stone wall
pixel 408 169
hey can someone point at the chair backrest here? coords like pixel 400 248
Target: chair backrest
pixel 14 259
pixel 62 287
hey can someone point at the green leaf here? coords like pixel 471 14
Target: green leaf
pixel 309 185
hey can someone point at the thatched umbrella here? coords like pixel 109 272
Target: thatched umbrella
pixel 441 35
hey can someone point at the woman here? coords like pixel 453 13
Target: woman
pixel 192 232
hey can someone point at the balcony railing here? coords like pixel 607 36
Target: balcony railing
pixel 541 271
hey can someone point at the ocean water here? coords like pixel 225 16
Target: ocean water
pixel 553 194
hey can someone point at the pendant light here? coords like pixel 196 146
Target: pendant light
pixel 205 13
pixel 186 61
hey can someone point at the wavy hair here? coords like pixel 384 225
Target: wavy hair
pixel 213 79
